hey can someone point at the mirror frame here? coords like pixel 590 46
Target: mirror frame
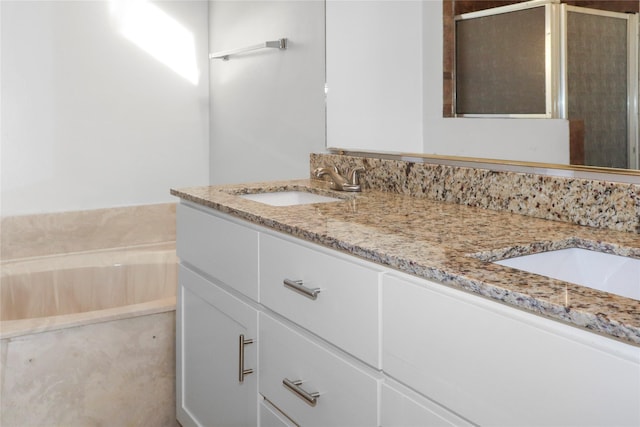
pixel 479 162
pixel 451 8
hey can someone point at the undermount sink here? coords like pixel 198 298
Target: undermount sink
pixel 289 198
pixel 610 273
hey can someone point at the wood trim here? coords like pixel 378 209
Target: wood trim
pixel 448 57
pixel 576 142
pixel 622 6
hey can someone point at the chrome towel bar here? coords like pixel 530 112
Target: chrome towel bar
pixel 224 55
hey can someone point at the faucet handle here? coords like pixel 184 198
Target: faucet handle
pixel 331 171
pixel 354 175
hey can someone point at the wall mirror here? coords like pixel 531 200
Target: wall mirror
pixel 391 82
pixel 575 60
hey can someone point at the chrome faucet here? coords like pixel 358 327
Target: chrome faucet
pixel 337 181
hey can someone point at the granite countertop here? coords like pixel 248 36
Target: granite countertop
pixel 448 243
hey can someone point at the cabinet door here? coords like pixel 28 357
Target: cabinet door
pixel 210 324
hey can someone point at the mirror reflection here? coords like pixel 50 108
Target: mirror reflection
pixel 390 87
pixel 575 60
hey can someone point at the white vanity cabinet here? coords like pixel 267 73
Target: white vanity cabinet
pixel 231 279
pixel 495 365
pixel 333 340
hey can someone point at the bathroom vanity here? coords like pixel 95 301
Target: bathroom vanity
pixel 378 309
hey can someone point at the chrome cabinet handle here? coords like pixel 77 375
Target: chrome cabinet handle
pixel 241 370
pixel 298 286
pixel 294 386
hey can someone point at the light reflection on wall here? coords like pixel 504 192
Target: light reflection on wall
pixel 158 34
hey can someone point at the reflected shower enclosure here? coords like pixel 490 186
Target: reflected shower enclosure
pixel 543 59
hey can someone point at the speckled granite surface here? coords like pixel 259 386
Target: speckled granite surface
pixel 442 242
pixel 579 201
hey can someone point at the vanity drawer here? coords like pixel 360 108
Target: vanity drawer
pixel 400 406
pixel 221 248
pixel 495 365
pixel 270 416
pixel 344 312
pixel 348 393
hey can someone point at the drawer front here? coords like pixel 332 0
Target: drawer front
pixel 226 251
pixel 403 407
pixel 348 393
pixel 346 309
pixel 495 365
pixel 271 417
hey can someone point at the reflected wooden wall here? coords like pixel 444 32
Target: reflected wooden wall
pixel 465 6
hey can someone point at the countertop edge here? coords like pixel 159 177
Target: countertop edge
pixel 593 322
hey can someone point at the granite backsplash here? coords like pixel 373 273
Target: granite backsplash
pixel 594 203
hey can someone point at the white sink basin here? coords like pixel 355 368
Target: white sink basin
pixel 289 198
pixel 611 273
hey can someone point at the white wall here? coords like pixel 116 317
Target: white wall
pixel 374 75
pixel 384 68
pixel 267 107
pixel 89 118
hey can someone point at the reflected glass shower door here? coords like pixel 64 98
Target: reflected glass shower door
pixel 599 86
pixel 501 62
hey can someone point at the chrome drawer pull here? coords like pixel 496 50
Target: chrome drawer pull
pixel 294 386
pixel 241 371
pixel 297 285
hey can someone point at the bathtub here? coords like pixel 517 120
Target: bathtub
pixel 89 338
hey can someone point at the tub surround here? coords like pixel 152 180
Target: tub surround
pixel 593 203
pixel 70 378
pixel 46 234
pixel 83 241
pixel 58 292
pixel 81 291
pixel 446 242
